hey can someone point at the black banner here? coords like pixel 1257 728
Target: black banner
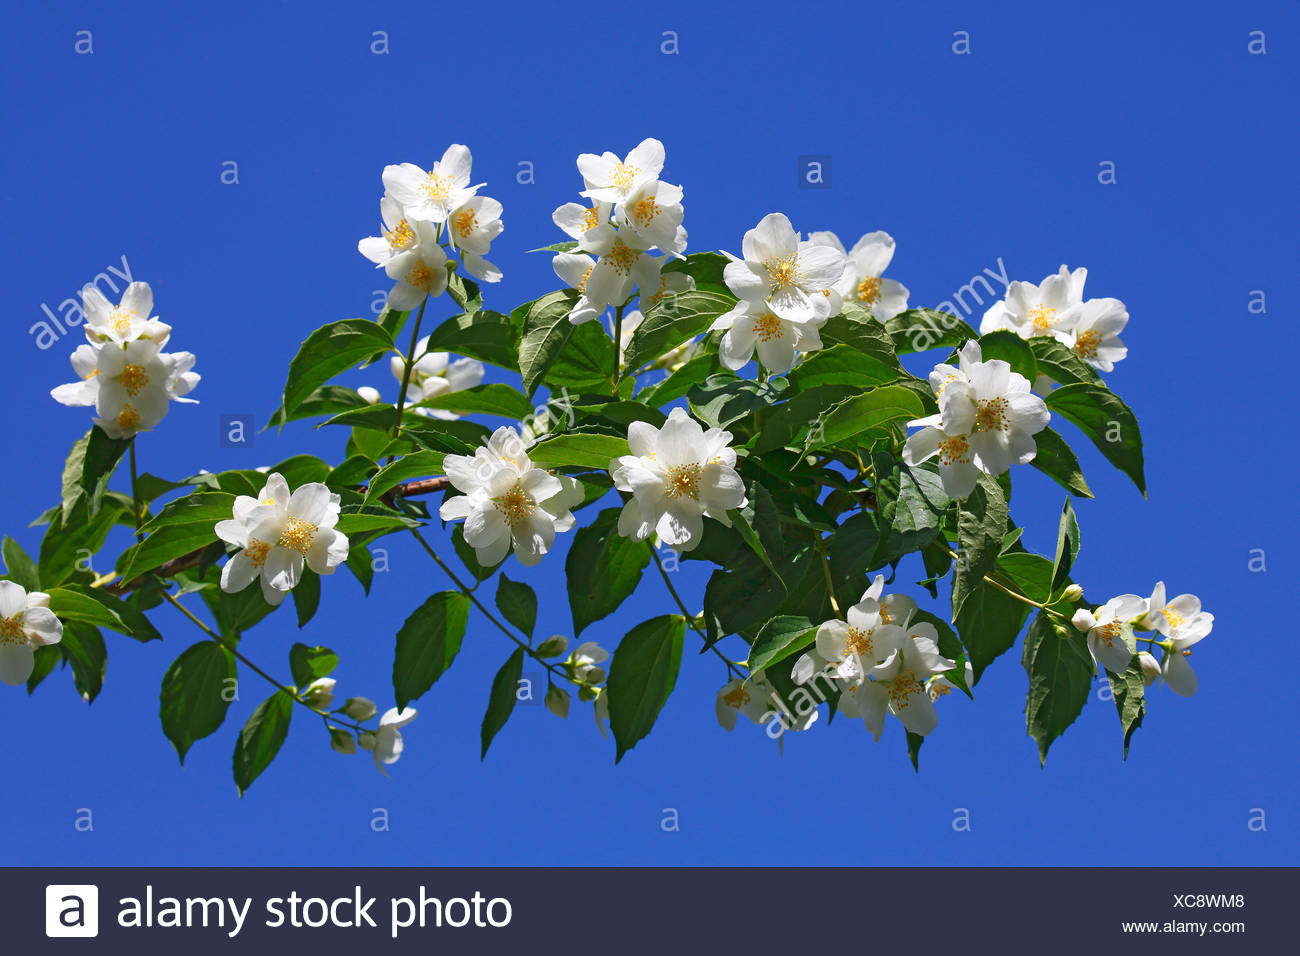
pixel 652 911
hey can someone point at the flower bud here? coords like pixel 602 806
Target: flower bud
pixel 360 708
pixel 553 646
pixel 1150 667
pixel 586 694
pixel 557 701
pixel 1061 630
pixel 595 675
pixel 1083 620
pixel 366 740
pixel 1073 593
pixel 342 741
pixel 320 692
pixel 370 395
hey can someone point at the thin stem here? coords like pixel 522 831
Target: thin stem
pixel 618 347
pixel 691 621
pixel 135 498
pixel 408 368
pixel 1014 593
pixel 460 586
pixel 250 665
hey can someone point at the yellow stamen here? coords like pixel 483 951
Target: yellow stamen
pixel 783 272
pixel 437 187
pixel 645 210
pixel 901 689
pixel 683 480
pixel 516 505
pixel 298 535
pixel 624 175
pixel 991 415
pixel 953 450
pixel 769 327
pixel 402 236
pixel 1085 346
pixel 1043 317
pixel 591 218
pixel 420 276
pixel 736 698
pixel 869 290
pixel 122 319
pixel 133 379
pixel 466 223
pixel 1174 618
pixel 256 552
pixel 128 418
pixel 11 631
pixel 621 256
pixel 859 642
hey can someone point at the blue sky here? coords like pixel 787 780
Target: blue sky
pixel 968 160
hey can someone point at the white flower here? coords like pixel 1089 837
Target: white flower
pixel 133 390
pixel 431 196
pixel 864 267
pixel 653 213
pixel 85 362
pixel 180 380
pixel 434 374
pixel 600 710
pixel 1182 623
pixel 278 533
pixel 123 323
pixel 678 475
pixel 584 664
pixel 1096 333
pixel 419 271
pixel 399 234
pixel 369 395
pixel 940 685
pixel 796 279
pixel 622 262
pixel 1049 308
pixel 898 685
pixel 473 226
pixel 610 179
pixel 320 692
pixel 386 743
pixel 750 697
pixel 1150 668
pixel 1110 630
pixel 861 644
pixel 752 326
pixel 26 623
pixel 506 502
pixel 987 417
pixel 575 268
pixel 578 221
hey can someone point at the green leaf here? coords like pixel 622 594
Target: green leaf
pixel 700 366
pixel 750 536
pixel 83 648
pixel 122 617
pixel 238 612
pixel 501 700
pixel 518 602
pixel 69 605
pixel 68 543
pixel 469 556
pixel 420 464
pixel 676 318
pixel 493 399
pixel 302 469
pixel 43 663
pixel 19 565
pixel 464 292
pixel 362 565
pixel 261 738
pixel 981 524
pixel 780 638
pixel 306 597
pixel 557 247
pixel 307 664
pixel 1129 691
pixel 1060 672
pixel 326 400
pixel 354 519
pixel 843 365
pixel 427 644
pixel 328 351
pixel 642 674
pixel 603 569
pixel 914 742
pixel 88 468
pixel 196 692
pixel 722 400
pixel 989 623
pixel 788 424
pixel 1030 574
pixel 186 524
pixel 872 409
pixel 581 450
pixel 706 268
pixel 586 363
pixel 918 330
pixel 859 329
pixel 1060 364
pixel 1012 349
pixel 1067 546
pixel 546 329
pixel 484 335
pixel 1056 460
pixel 1103 417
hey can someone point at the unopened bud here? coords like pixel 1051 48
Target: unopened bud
pixel 320 692
pixel 366 740
pixel 370 395
pixel 1073 593
pixel 595 675
pixel 586 694
pixel 1061 630
pixel 1083 620
pixel 557 701
pixel 360 708
pixel 342 741
pixel 553 646
pixel 1150 667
